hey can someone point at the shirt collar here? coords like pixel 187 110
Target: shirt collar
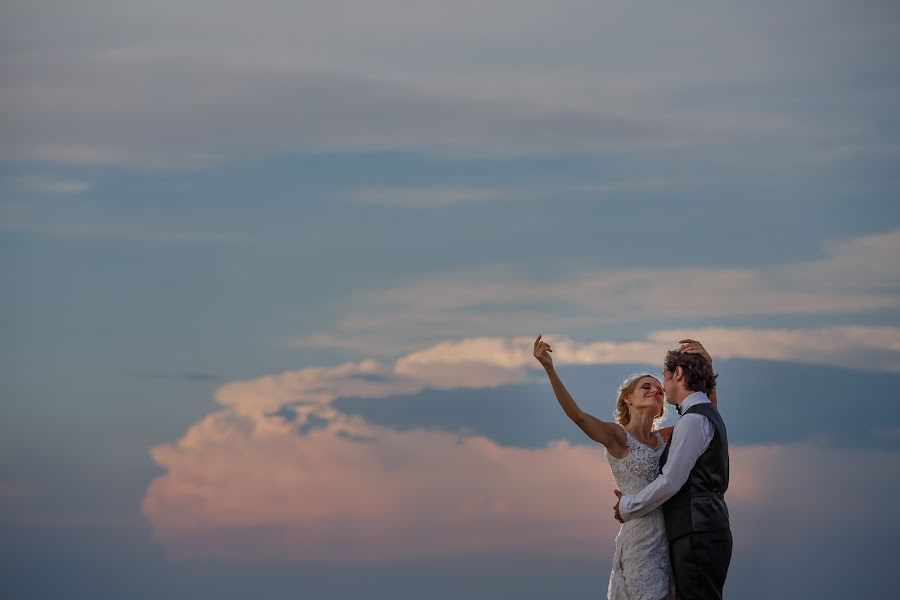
pixel 691 400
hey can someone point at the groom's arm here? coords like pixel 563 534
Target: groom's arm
pixel 690 438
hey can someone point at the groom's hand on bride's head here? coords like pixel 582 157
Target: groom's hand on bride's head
pixel 616 507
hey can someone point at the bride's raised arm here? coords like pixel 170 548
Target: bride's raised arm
pixel 609 434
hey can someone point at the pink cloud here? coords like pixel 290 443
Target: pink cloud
pixel 235 488
pixel 245 487
pixel 244 484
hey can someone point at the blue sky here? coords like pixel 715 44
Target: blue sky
pixel 271 274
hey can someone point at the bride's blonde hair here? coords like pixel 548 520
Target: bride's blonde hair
pixel 622 414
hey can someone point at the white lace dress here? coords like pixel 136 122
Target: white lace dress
pixel 640 569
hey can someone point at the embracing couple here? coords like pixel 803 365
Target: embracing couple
pixel 675 536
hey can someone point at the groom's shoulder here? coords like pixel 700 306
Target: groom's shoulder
pixel 709 414
pixel 703 410
pixel 689 419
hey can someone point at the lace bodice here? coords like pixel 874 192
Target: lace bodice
pixel 640 569
pixel 639 467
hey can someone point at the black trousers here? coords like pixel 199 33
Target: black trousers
pixel 700 563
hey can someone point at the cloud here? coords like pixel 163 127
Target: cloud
pixel 189 376
pixel 167 86
pixel 489 377
pixel 354 492
pixel 285 471
pixel 427 196
pixel 362 344
pixel 312 386
pixel 256 108
pixel 54 185
pixel 856 275
pixel 248 486
pixel 866 262
pixel 810 401
pixel 115 231
pixel 787 492
pixel 860 347
pixel 316 387
pixel 443 196
pixel 518 352
pixel 497 361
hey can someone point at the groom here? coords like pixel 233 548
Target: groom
pixel 692 482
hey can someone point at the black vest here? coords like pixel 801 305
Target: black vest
pixel 700 503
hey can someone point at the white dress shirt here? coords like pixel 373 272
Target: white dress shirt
pixel 691 437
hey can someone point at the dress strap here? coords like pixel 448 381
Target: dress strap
pixel 660 441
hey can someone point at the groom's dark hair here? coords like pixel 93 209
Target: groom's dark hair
pixel 698 374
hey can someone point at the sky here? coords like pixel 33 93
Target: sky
pixel 272 272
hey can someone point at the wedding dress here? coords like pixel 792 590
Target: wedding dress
pixel 640 569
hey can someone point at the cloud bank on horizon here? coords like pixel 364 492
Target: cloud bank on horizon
pixel 281 474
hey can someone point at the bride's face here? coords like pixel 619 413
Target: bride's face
pixel 648 394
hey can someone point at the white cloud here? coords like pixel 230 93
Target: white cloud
pixel 318 386
pixel 494 361
pixel 855 346
pixel 313 385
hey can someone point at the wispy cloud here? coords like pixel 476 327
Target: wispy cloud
pixel 128 232
pixel 174 375
pixel 144 91
pixel 855 276
pixel 54 185
pixel 445 195
pixel 428 196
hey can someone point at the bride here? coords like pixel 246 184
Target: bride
pixel 634 443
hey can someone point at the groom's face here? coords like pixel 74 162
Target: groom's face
pixel 669 386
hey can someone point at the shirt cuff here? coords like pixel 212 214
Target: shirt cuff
pixel 625 508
